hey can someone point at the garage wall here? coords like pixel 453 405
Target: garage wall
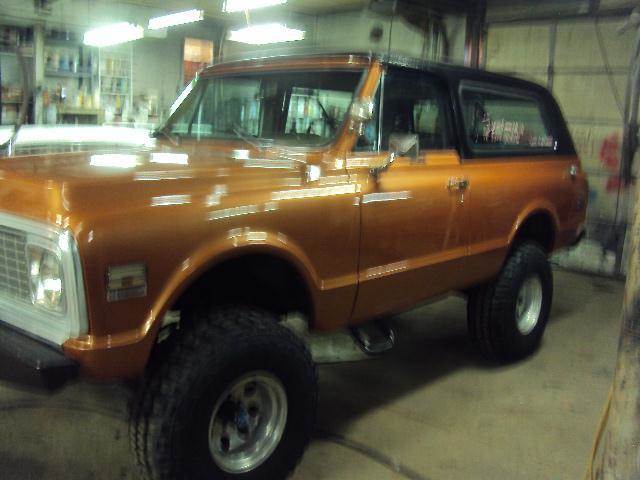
pixel 156 59
pixel 157 62
pixel 350 31
pixel 584 61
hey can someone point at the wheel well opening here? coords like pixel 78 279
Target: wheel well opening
pixel 538 227
pixel 263 281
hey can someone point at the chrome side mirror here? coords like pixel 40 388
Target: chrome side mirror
pixel 360 113
pixel 400 144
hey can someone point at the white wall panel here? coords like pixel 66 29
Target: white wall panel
pixel 587 96
pixel 513 47
pixel 577 44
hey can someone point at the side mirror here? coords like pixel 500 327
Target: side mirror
pixel 400 144
pixel 360 113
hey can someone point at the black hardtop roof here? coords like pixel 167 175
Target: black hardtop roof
pixel 452 73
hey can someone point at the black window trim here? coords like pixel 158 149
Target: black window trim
pixel 499 89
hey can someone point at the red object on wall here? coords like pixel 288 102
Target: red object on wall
pixel 610 152
pixel 610 160
pixel 197 54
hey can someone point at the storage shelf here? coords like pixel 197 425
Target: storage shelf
pixel 59 42
pixel 115 76
pixel 79 111
pixel 67 74
pixel 12 53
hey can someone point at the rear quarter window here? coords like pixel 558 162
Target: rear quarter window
pixel 505 121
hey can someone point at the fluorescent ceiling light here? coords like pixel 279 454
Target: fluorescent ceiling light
pixel 241 5
pixel 113 34
pixel 267 33
pixel 179 18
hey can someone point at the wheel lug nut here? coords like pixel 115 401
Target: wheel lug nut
pixel 253 411
pixel 250 389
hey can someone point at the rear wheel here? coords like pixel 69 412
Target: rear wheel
pixel 507 317
pixel 235 398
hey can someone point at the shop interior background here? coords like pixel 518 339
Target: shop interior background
pixel 572 47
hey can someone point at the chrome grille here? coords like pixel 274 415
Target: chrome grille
pixel 14 276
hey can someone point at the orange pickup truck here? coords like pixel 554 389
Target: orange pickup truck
pixel 344 187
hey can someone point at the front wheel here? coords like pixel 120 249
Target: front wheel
pixel 234 399
pixel 507 318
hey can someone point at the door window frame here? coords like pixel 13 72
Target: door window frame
pixel 442 89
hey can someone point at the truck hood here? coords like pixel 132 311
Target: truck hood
pixel 43 139
pixel 70 187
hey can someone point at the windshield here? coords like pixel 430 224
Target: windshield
pixel 286 108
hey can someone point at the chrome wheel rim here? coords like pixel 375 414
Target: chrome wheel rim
pixel 529 304
pixel 247 422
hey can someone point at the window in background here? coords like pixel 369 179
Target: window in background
pixel 197 55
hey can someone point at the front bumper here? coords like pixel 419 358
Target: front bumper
pixel 30 362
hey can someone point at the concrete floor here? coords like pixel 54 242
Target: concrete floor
pixel 430 409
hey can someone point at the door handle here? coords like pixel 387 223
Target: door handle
pixel 459 184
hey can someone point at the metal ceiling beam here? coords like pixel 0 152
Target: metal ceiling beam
pixel 475 34
pixel 546 17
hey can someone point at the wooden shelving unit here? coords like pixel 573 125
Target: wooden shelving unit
pixel 115 81
pixel 70 79
pixel 11 81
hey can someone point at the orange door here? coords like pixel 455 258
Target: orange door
pixel 518 169
pixel 414 239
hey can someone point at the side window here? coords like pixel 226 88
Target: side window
pixel 414 103
pixel 504 121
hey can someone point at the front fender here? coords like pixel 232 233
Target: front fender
pixel 125 354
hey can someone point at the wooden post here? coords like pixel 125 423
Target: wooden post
pixel 38 73
pixel 474 40
pixel 621 439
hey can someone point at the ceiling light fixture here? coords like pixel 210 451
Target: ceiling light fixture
pixel 241 5
pixel 180 18
pixel 266 33
pixel 113 34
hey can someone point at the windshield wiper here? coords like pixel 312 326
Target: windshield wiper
pixel 330 120
pixel 259 143
pixel 268 145
pixel 161 131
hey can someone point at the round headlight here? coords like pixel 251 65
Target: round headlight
pixel 46 280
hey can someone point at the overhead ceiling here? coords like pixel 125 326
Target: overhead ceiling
pixel 97 11
pixel 213 8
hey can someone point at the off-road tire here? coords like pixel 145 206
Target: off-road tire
pixel 177 397
pixel 492 307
